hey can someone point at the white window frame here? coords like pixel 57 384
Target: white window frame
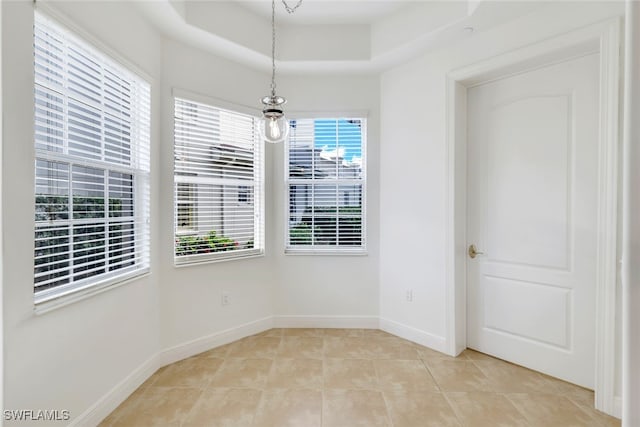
pixel 327 249
pixel 138 167
pixel 256 194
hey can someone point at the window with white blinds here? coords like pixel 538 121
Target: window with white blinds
pixel 218 181
pixel 325 161
pixel 92 136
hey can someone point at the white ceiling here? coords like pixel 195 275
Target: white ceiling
pixel 314 12
pixel 328 36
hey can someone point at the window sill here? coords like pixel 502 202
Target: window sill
pixel 54 303
pixel 192 260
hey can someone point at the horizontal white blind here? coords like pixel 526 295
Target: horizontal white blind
pixel 325 161
pixel 92 137
pixel 217 183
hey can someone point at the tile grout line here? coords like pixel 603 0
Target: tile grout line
pixel 454 409
pixel 263 389
pixel 381 391
pixel 202 393
pixel 520 411
pixel 323 383
pixel 442 392
pixel 426 366
pixel 188 414
pixel 386 405
pixel 572 400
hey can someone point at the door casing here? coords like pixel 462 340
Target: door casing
pixel 604 39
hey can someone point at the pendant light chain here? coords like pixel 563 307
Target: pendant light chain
pixel 289 8
pixel 273 47
pixel 273 39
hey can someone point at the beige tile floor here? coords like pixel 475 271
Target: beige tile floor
pixel 350 378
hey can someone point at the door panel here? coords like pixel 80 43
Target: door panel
pixel 513 307
pixel 522 136
pixel 532 198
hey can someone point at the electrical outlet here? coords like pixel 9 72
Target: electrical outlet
pixel 224 300
pixel 409 295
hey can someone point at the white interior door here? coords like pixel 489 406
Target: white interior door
pixel 531 208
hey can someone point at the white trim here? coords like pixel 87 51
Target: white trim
pixel 191 260
pixel 617 407
pixel 199 345
pixel 418 336
pixel 356 322
pixel 118 394
pixel 630 270
pixel 607 228
pixel 455 216
pixel 604 35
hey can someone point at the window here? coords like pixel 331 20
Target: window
pixel 92 124
pixel 326 185
pixel 217 184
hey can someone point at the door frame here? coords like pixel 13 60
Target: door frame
pixel 604 39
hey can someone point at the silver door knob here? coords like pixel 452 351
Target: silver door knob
pixel 473 251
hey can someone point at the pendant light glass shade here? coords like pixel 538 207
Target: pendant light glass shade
pixel 273 125
pixel 274 130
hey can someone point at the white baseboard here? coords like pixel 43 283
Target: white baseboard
pixel 199 345
pixel 617 406
pixel 357 322
pixel 413 334
pixel 114 397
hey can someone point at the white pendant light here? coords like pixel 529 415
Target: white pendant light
pixel 273 126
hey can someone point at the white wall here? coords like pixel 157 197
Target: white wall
pixel 71 357
pixel 275 284
pixel 412 153
pixel 321 286
pixel 191 295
